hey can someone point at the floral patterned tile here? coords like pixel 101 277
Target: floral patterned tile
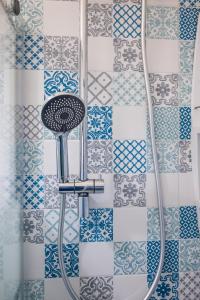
pixel 100 122
pixel 99 88
pixel 127 55
pixel 33 192
pixel 32 125
pixel 129 258
pixel 164 89
pixel 128 88
pixel 33 226
pixel 188 22
pixel 189 285
pixel 71 259
pixel 99 156
pixel 189 255
pixel 188 222
pixel 33 157
pixel 130 190
pixel 185 89
pixel 185 123
pixel 186 56
pixel 34 289
pixel 100 19
pixel 97 288
pixel 185 156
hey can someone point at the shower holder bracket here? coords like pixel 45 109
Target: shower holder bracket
pixel 90 186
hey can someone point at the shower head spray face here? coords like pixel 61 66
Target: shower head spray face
pixel 62 113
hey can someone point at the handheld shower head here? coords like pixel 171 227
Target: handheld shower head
pixel 62 113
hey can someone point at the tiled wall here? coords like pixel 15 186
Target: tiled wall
pixel 114 253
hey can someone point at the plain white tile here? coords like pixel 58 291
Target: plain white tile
pixel 165 3
pixel 12 256
pixel 100 54
pixel 55 289
pixel 130 287
pixel 96 259
pixel 61 18
pixel 186 189
pixel 129 122
pixel 163 56
pixel 130 224
pixel 34 260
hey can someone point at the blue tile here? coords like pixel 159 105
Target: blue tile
pixel 127 20
pixel 60 81
pixel 188 23
pixel 188 222
pixel 33 52
pixel 171 263
pixel 129 156
pixel 71 260
pixel 99 122
pixel 185 123
pixel 33 192
pixel 98 227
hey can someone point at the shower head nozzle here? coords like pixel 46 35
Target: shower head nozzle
pixel 63 112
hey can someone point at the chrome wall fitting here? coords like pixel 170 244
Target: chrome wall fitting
pixel 90 186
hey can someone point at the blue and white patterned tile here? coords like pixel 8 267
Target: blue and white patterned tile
pixel 100 156
pixel 98 227
pixel 189 3
pixel 19 51
pixel 33 52
pixel 100 88
pixel 33 157
pixel 188 222
pixel 164 89
pixel 71 226
pixel 189 285
pixel 130 258
pixel 189 255
pixel 186 56
pixel 61 53
pixel 33 289
pixel 163 23
pixel 33 192
pixel 185 156
pixel 71 260
pixel 99 122
pixel 168 157
pixel 129 156
pixel 167 288
pixel 100 19
pixel 172 228
pixel 130 190
pixel 127 55
pixel 32 125
pixel 128 88
pixel 60 81
pixel 126 20
pixel 97 288
pixel 185 89
pixel 33 226
pixel 188 22
pixel 185 123
pixel 171 262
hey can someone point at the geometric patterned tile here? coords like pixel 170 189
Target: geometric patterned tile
pixel 99 156
pixel 33 52
pixel 130 258
pixel 71 228
pixel 99 88
pixel 162 23
pixel 171 263
pixel 188 23
pixel 186 56
pixel 19 51
pixel 127 21
pixel 185 89
pixel 71 260
pixel 130 190
pixel 127 55
pixel 8 50
pixel 99 122
pixel 167 288
pixel 189 255
pixel 60 81
pixel 33 192
pixel 185 123
pixel 34 289
pixel 98 227
pixel 33 152
pixel 99 20
pixel 129 156
pixel 189 286
pixel 33 226
pixel 185 157
pixel 128 88
pixel 188 222
pixel 32 125
pixel 61 53
pixel 172 229
pixel 164 89
pixel 96 288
